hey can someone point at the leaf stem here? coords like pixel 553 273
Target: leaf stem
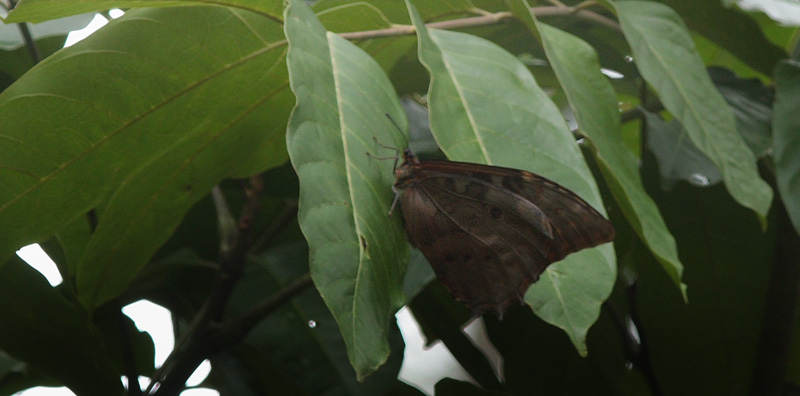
pixel 30 43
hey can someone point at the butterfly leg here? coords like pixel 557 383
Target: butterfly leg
pixel 396 199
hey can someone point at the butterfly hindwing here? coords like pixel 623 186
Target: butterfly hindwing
pixel 484 262
pixel 489 232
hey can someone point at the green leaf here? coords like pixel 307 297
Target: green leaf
pixel 712 54
pixel 358 254
pixel 751 102
pixel 779 34
pixel 51 334
pixel 713 20
pixel 43 10
pixel 485 107
pixel 347 16
pixel 786 137
pixel 678 159
pixel 665 55
pixel 594 104
pixel 152 126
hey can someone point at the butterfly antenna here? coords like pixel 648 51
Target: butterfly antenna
pixel 385 146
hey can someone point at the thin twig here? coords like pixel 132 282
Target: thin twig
pixel 30 43
pixel 585 5
pixel 483 20
pixel 557 3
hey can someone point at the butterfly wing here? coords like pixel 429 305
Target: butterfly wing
pixel 489 232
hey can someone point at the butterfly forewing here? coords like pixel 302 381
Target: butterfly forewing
pixel 489 232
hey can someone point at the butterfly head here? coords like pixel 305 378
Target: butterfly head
pixel 404 173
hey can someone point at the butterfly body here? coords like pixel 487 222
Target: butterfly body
pixel 489 232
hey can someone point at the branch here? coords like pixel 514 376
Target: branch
pixel 203 343
pixel 235 331
pixel 483 20
pixel 193 347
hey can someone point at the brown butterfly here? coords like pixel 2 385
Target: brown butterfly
pixel 489 232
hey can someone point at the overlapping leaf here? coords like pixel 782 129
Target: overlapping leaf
pixel 357 254
pixel 486 107
pixel 595 106
pixel 665 56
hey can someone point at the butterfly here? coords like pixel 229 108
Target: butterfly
pixel 489 232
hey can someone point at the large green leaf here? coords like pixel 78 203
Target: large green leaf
pixel 150 125
pixel 486 107
pixel 43 10
pixel 594 104
pixel 665 55
pixel 357 253
pixel 786 137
